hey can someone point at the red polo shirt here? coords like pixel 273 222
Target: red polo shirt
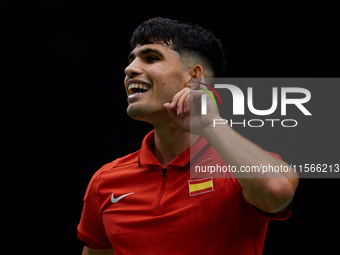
pixel 136 206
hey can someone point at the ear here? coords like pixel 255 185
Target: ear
pixel 195 72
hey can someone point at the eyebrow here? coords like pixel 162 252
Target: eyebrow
pixel 132 55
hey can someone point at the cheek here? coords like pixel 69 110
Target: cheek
pixel 173 80
pixel 168 79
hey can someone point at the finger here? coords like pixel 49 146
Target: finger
pixel 196 95
pixel 176 98
pixel 181 102
pixel 187 107
pixel 201 84
pixel 192 107
pixel 195 83
pixel 196 98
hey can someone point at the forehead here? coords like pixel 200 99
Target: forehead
pixel 161 49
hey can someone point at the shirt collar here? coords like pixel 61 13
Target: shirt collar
pixel 146 156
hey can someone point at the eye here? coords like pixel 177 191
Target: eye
pixel 152 59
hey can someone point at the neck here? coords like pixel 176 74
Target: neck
pixel 170 142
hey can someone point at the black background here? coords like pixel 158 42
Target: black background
pixel 65 62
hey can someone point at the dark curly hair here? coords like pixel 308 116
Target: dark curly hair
pixel 183 38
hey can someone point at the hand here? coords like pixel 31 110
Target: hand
pixel 185 110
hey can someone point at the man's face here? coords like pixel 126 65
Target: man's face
pixel 154 75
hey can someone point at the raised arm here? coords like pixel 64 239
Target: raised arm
pixel 270 192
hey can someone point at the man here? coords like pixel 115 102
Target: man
pixel 143 203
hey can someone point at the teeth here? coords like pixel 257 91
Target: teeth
pixel 139 86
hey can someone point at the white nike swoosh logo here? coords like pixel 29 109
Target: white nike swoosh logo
pixel 115 200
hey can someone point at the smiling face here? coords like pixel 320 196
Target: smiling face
pixel 154 75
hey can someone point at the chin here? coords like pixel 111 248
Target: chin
pixel 144 113
pixel 137 113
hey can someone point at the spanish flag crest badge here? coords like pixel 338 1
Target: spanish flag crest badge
pixel 200 186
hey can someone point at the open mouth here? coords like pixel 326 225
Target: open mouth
pixel 135 88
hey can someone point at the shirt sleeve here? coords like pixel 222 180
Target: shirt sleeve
pixel 258 213
pixel 91 231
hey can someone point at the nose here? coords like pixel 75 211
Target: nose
pixel 133 69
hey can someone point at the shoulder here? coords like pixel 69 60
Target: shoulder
pixel 107 171
pixel 127 160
